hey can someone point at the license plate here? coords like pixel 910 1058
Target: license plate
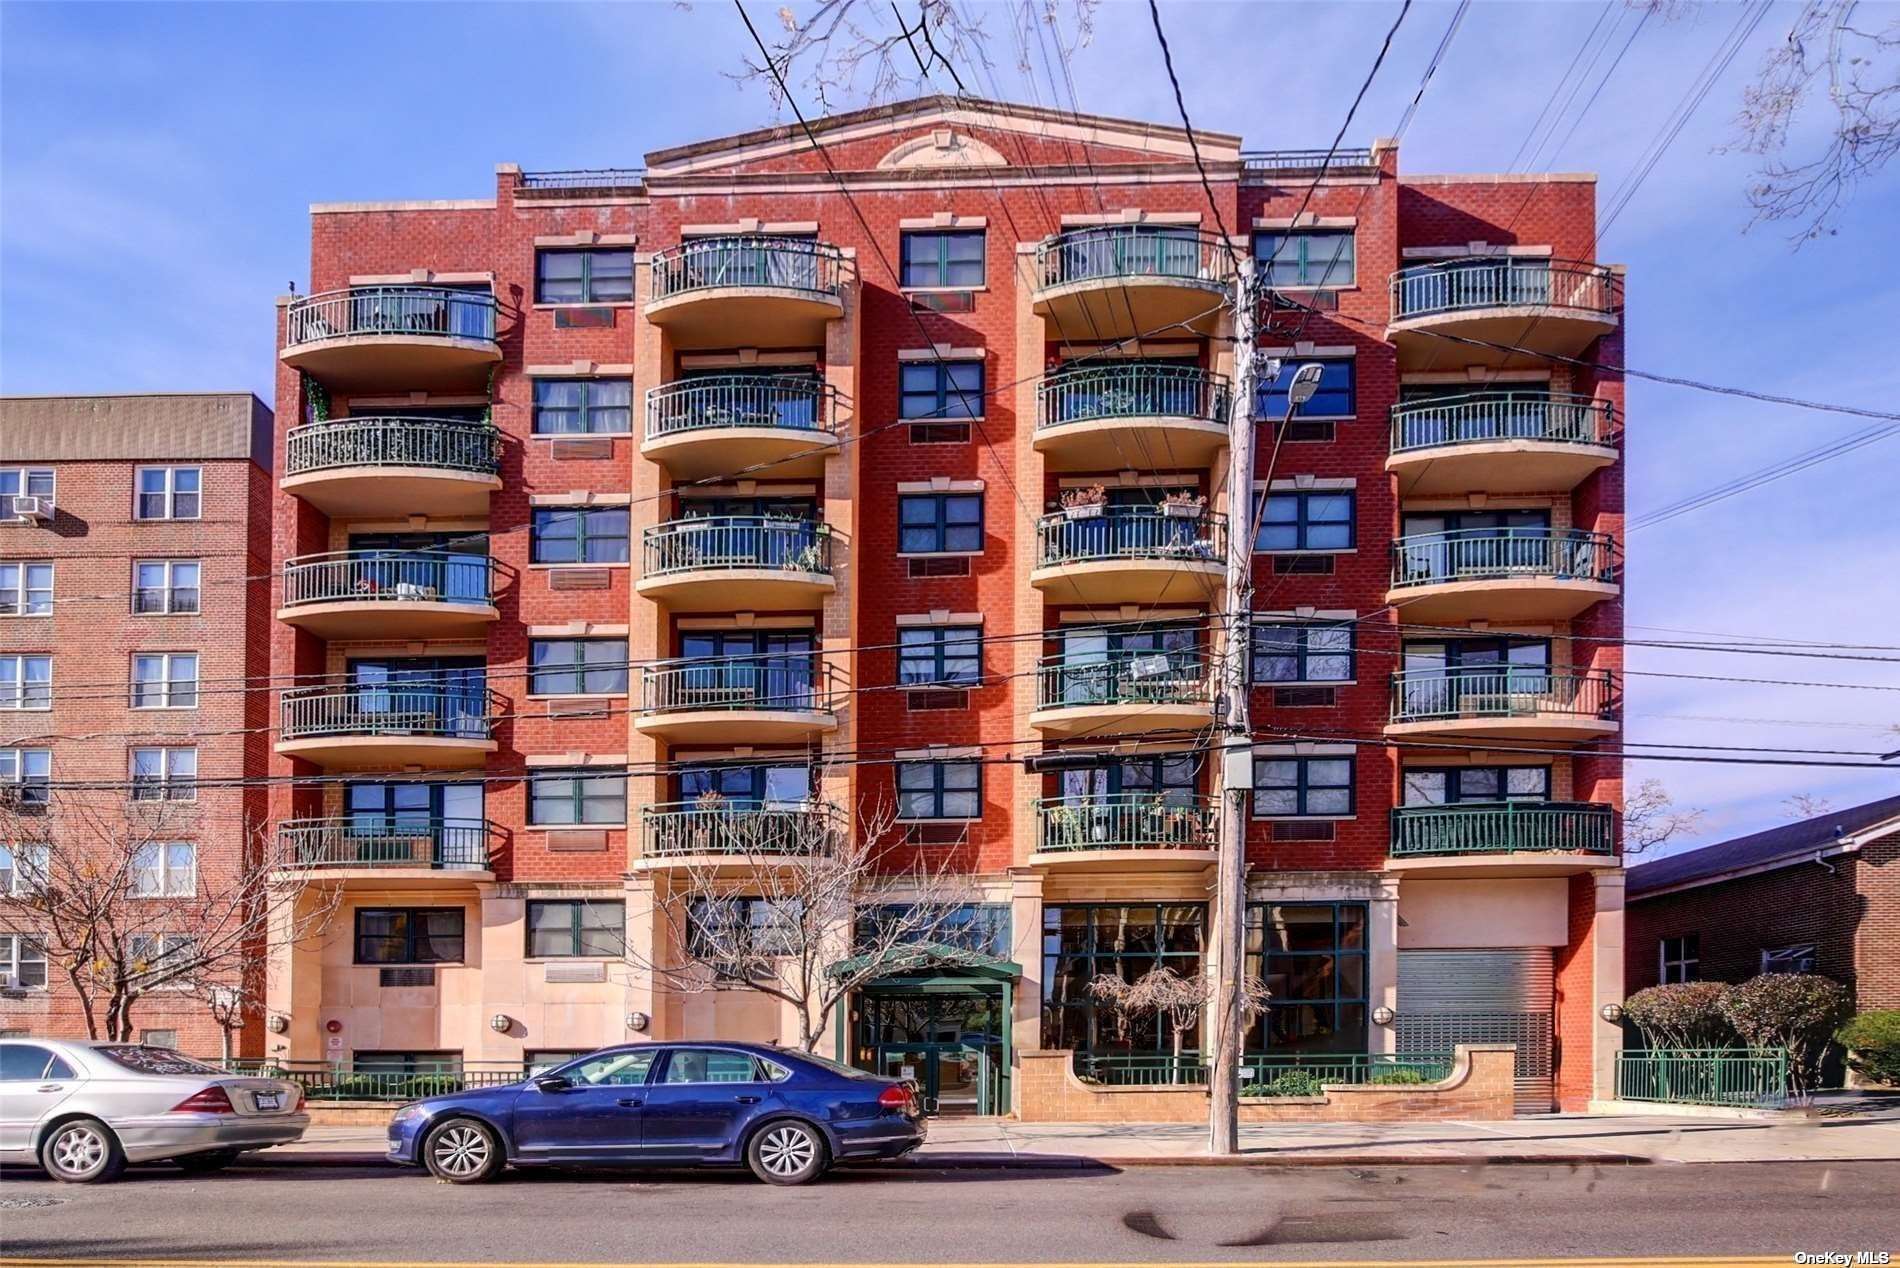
pixel 268 1100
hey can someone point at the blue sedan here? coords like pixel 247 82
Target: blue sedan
pixel 786 1115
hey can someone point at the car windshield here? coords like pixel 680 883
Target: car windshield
pixel 143 1060
pixel 836 1067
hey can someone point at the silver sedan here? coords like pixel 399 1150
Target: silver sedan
pixel 84 1110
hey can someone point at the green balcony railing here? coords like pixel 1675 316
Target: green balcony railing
pixel 737 541
pixel 1259 1070
pixel 1088 393
pixel 424 311
pixel 1756 1078
pixel 393 441
pixel 371 840
pixel 1130 532
pixel 748 260
pixel 1132 253
pixel 1471 828
pixel 738 828
pixel 1425 290
pixel 389 576
pixel 1124 677
pixel 1484 554
pixel 1127 821
pixel 790 682
pixel 424 710
pixel 337 1081
pixel 788 402
pixel 1516 691
pixel 1485 417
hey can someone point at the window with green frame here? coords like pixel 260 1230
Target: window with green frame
pixel 1302 651
pixel 577 667
pixel 939 655
pixel 1312 959
pixel 578 797
pixel 580 535
pixel 940 790
pixel 409 935
pixel 583 277
pixel 560 928
pixel 1302 787
pixel 1083 942
pixel 1314 519
pixel 940 523
pixel 943 258
pixel 566 407
pixel 1303 258
pixel 940 389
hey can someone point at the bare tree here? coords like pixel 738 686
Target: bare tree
pixel 112 893
pixel 792 904
pixel 1651 818
pixel 1165 993
pixel 1807 806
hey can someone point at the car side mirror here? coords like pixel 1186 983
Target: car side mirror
pixel 553 1083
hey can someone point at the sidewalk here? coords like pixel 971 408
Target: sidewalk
pixel 1634 1139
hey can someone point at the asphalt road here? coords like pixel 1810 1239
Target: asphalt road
pixel 1141 1215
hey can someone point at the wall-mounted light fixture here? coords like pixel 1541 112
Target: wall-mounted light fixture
pixel 1382 1016
pixel 500 1023
pixel 638 1022
pixel 1612 1012
pixel 277 1023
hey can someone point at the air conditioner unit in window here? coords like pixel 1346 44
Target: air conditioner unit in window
pixel 33 510
pixel 6 981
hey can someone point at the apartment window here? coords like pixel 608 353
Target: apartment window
pixel 1301 787
pixel 1312 958
pixel 164 774
pixel 169 493
pixel 1795 959
pixel 1680 959
pixel 729 928
pixel 1308 258
pixel 1453 785
pixel 940 523
pixel 24 482
pixel 1081 943
pixel 573 406
pixel 583 277
pixel 165 587
pixel 165 680
pixel 409 935
pixel 934 258
pixel 576 928
pixel 577 667
pixel 23 868
pixel 940 389
pixel 26 682
pixel 940 655
pixel 1311 519
pixel 165 869
pixel 167 958
pixel 28 774
pixel 1336 396
pixel 580 535
pixel 940 790
pixel 569 797
pixel 22 963
pixel 26 589
pixel 982 928
pixel 1302 652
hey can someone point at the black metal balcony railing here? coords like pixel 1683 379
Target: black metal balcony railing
pixel 1127 821
pixel 738 828
pixel 1481 417
pixel 421 710
pixel 737 541
pixel 1422 695
pixel 391 310
pixel 393 441
pixel 388 841
pixel 1121 251
pixel 1504 827
pixel 745 260
pixel 1424 290
pixel 389 576
pixel 1128 677
pixel 784 683
pixel 1483 554
pixel 1130 532
pixel 1085 394
pixel 790 402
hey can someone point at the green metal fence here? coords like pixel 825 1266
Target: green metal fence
pixel 1751 1078
pixel 1139 390
pixel 1260 1072
pixel 1127 821
pixel 1504 827
pixel 340 1081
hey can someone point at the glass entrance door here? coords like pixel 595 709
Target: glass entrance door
pixel 949 1041
pixel 953 1077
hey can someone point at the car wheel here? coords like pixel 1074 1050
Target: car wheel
pixel 786 1152
pixel 83 1151
pixel 463 1151
pixel 210 1160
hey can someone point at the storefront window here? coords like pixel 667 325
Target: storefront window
pixel 1080 944
pixel 1312 958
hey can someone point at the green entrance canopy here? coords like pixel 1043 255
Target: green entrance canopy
pixel 931 959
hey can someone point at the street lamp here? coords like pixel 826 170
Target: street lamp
pixel 1300 390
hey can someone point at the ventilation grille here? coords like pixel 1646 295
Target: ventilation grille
pixel 583 318
pixel 1303 565
pixel 576 972
pixel 1303 430
pixel 1302 832
pixel 1324 301
pixel 945 301
pixel 941 698
pixel 955 566
pixel 581 448
pixel 406 977
pixel 939 433
pixel 579 579
pixel 1304 697
pixel 935 833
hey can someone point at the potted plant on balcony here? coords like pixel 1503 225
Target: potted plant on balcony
pixel 1182 505
pixel 1117 400
pixel 1085 503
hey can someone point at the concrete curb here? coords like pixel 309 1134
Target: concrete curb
pixel 1058 1162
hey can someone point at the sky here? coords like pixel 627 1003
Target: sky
pixel 157 163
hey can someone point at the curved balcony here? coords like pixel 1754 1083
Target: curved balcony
pixel 388 851
pixel 730 422
pixel 1500 442
pixel 1116 281
pixel 1511 575
pixel 715 837
pixel 1514 703
pixel 1127 554
pixel 404 338
pixel 752 290
pixel 378 594
pixel 390 465
pixel 1113 417
pixel 738 700
pixel 1127 831
pixel 370 726
pixel 728 563
pixel 1511 308
pixel 1509 838
pixel 1127 694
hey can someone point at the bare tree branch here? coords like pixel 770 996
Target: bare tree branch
pixel 1651 818
pixel 1807 806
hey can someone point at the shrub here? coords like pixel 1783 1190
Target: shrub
pixel 1287 1083
pixel 1397 1075
pixel 1796 1011
pixel 1872 1041
pixel 1681 1015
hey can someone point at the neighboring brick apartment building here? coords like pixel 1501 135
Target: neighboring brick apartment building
pixel 133 597
pixel 807 474
pixel 1818 896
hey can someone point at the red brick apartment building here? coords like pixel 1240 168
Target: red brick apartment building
pixel 134 553
pixel 795 445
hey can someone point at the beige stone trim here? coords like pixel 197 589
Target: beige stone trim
pixel 418 277
pixel 1475 374
pixel 1129 480
pixel 1143 349
pixel 749 225
pixel 587 238
pixel 1500 178
pixel 1308 220
pixel 938 753
pixel 1473 757
pixel 412 398
pixel 1128 612
pixel 742 751
pixel 744 356
pixel 1471 250
pixel 1482 501
pixel 940 616
pixel 1305 349
pixel 577 369
pixel 944 220
pixel 940 484
pixel 1305 748
pixel 942 352
pixel 747 621
pixel 1309 614
pixel 1310 482
pixel 1129 216
pixel 747 488
pixel 579 629
pixel 581 497
pixel 422 204
pixel 573 758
